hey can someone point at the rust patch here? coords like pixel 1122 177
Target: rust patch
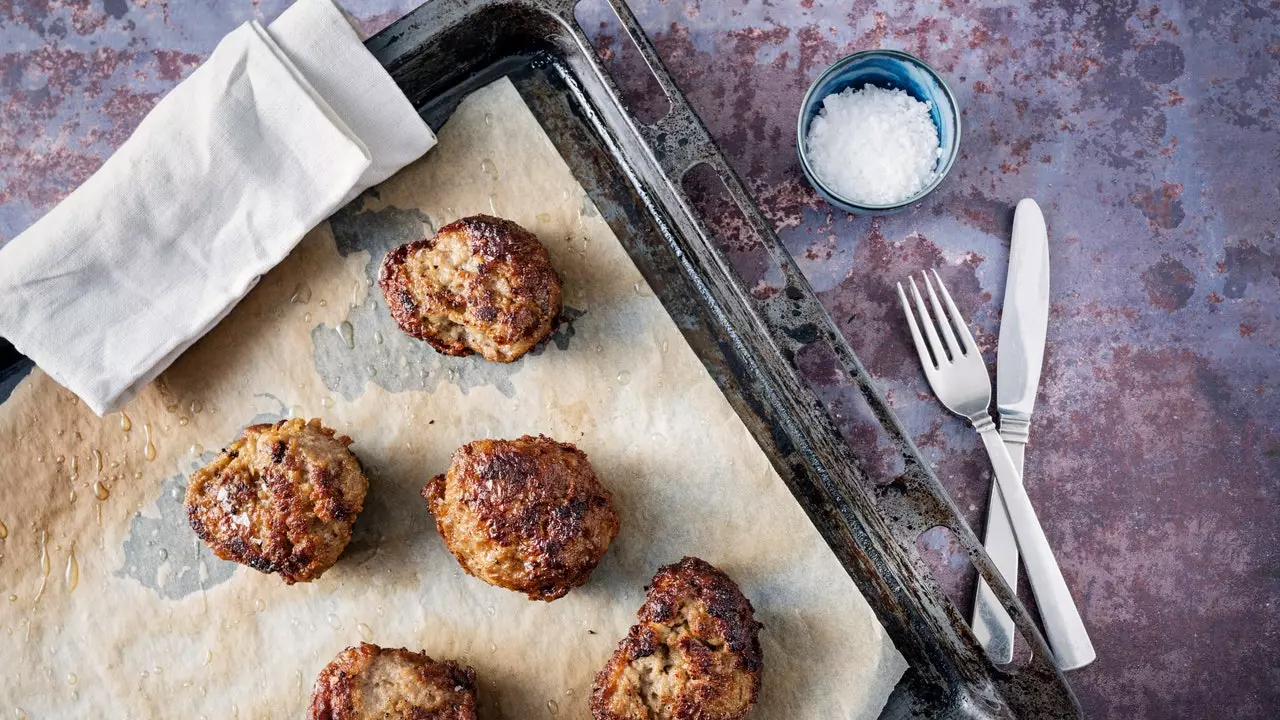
pixel 173 65
pixel 1247 264
pixel 1169 284
pixel 1163 207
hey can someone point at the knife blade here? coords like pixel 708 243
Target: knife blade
pixel 1019 357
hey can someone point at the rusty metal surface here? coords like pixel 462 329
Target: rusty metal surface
pixel 1144 130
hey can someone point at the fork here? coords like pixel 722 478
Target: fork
pixel 959 378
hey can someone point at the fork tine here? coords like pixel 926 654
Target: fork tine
pixel 918 341
pixel 949 336
pixel 957 319
pixel 935 345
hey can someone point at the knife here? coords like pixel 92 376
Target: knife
pixel 1019 357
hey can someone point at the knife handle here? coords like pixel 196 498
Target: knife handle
pixel 1062 623
pixel 991 622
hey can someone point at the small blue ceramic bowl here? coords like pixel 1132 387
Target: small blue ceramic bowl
pixel 895 71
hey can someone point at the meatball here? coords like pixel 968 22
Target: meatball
pixel 694 655
pixel 370 682
pixel 527 515
pixel 482 284
pixel 281 499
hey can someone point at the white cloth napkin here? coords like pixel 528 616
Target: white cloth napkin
pixel 279 128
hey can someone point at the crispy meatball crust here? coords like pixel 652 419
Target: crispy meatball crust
pixel 371 683
pixel 694 655
pixel 527 515
pixel 482 284
pixel 281 499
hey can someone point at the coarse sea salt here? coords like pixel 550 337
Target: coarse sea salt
pixel 873 146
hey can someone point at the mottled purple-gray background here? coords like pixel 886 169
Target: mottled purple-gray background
pixel 1145 130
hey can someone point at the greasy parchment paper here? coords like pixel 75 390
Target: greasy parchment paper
pixel 144 622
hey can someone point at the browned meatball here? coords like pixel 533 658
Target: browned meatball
pixel 281 499
pixel 482 284
pixel 370 683
pixel 694 655
pixel 528 515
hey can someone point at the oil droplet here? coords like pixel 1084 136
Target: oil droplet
pixel 348 333
pixel 72 679
pixel 196 449
pixel 301 294
pixel 564 194
pixel 72 495
pixel 196 407
pixel 13 598
pixel 641 289
pixel 60 459
pixel 4 530
pixel 324 303
pixel 326 402
pixel 101 491
pixel 624 377
pixel 371 370
pixel 665 344
pixel 491 610
pixel 493 206
pixel 377 337
pixel 137 475
pixel 73 569
pixel 75 468
pixel 125 423
pixel 208 658
pixel 493 648
pixel 39 458
pixel 488 167
pixel 488 118
pixel 45 566
pixel 553 707
pixel 182 421
pixel 334 622
pixel 171 408
pixel 259 605
pixel 366 632
pixel 97 461
pixel 306 317
pixel 568 692
pixel 148 452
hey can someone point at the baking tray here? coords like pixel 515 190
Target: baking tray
pixel 633 173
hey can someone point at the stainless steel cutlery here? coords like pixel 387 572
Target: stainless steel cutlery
pixel 1018 360
pixel 956 372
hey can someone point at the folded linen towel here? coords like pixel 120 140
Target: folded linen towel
pixel 279 128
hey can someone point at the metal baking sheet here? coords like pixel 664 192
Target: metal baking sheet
pixel 633 172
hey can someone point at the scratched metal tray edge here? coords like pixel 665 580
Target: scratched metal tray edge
pixel 447 47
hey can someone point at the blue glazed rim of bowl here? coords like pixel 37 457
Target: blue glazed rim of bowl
pixel 810 100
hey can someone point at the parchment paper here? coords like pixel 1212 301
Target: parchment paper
pixel 157 627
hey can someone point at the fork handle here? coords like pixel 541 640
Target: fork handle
pixel 991 624
pixel 1067 636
